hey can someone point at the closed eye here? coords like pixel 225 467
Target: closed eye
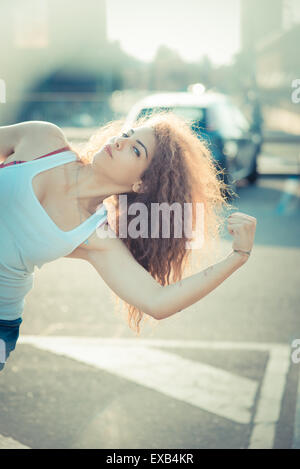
pixel 135 148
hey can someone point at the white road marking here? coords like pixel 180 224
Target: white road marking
pixel 10 443
pixel 201 385
pixel 161 343
pixel 204 386
pixel 270 399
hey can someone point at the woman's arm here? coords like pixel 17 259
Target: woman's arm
pixel 132 283
pixel 124 275
pixel 9 139
pixel 177 296
pixel 33 132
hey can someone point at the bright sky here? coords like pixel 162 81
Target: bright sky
pixel 192 27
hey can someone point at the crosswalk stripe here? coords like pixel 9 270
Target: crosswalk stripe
pixel 204 386
pixel 270 399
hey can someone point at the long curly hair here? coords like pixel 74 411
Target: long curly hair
pixel 182 171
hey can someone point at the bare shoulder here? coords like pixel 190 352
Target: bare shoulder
pixel 35 138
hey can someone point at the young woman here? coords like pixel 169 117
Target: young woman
pixel 51 206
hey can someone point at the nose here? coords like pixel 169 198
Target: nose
pixel 119 142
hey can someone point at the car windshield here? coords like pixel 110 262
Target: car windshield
pixel 229 120
pixel 193 115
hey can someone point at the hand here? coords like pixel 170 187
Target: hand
pixel 242 227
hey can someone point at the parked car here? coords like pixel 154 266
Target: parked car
pixel 214 118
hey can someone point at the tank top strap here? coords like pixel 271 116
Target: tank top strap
pixel 51 160
pixel 87 228
pixel 13 163
pixel 60 150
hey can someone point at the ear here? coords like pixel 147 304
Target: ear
pixel 136 187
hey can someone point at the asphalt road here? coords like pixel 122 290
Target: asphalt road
pixel 219 374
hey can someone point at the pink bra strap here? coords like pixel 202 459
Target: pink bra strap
pixel 2 165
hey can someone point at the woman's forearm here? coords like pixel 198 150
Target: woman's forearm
pixel 177 296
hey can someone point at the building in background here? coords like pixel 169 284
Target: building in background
pixel 56 62
pixel 259 19
pixel 278 59
pixel 270 34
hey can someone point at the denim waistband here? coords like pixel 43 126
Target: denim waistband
pixel 11 323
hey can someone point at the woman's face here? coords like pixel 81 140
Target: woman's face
pixel 131 153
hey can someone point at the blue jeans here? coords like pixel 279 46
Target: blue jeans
pixel 9 334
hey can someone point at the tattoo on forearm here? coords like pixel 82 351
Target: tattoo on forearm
pixel 206 271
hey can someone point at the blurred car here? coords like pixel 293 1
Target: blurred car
pixel 214 118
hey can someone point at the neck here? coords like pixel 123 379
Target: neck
pixel 89 189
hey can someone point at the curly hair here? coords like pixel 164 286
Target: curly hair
pixel 182 170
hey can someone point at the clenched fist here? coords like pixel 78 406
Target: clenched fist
pixel 242 227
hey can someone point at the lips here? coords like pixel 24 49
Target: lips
pixel 108 149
